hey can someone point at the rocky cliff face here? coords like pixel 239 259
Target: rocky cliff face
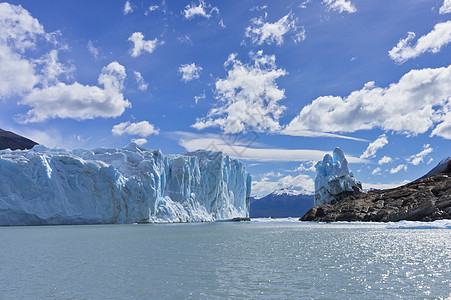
pixel 425 199
pixel 10 140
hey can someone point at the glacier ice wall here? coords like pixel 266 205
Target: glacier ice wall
pixel 129 185
pixel 334 180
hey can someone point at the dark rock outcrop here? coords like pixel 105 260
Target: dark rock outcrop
pixel 425 199
pixel 10 140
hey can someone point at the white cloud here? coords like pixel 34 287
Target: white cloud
pixel 446 7
pixel 190 72
pixel 139 142
pixel 385 160
pixel 308 166
pixel 416 159
pixel 248 96
pixel 431 42
pixel 373 147
pixel 93 50
pixel 398 168
pixel 412 106
pixel 261 32
pixel 19 32
pixel 201 10
pixel 376 171
pixel 142 129
pixel 302 184
pixel 200 97
pixel 245 148
pixel 78 101
pixel 140 45
pixel 340 6
pixel 153 7
pixel 127 8
pixel 142 85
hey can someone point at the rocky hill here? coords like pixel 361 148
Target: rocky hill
pixel 425 199
pixel 14 141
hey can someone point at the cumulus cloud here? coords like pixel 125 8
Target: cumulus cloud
pixel 142 129
pixel 431 42
pixel 190 72
pixel 127 8
pixel 376 171
pixel 446 7
pixel 79 101
pixel 420 100
pixel 373 147
pixel 340 6
pixel 398 168
pixel 142 85
pixel 248 98
pixel 139 142
pixel 302 184
pixel 19 32
pixel 261 32
pixel 416 159
pixel 385 160
pixel 140 45
pixel 200 10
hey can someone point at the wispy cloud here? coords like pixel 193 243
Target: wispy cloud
pixel 340 6
pixel 93 50
pixel 201 9
pixel 260 31
pixel 142 84
pixel 128 9
pixel 373 147
pixel 243 147
pixel 432 42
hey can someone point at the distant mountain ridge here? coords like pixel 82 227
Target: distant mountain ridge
pixel 281 203
pixel 10 140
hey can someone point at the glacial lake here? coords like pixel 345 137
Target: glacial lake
pixel 259 259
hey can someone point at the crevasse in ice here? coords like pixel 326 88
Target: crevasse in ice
pixel 334 180
pixel 129 185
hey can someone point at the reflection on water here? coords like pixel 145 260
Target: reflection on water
pixel 216 260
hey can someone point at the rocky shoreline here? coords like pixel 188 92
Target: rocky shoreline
pixel 426 199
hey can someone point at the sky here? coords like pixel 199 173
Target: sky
pixel 276 84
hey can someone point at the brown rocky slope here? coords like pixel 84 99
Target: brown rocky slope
pixel 426 199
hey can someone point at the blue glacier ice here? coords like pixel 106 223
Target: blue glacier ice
pixel 129 185
pixel 334 180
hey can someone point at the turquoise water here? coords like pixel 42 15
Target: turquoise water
pixel 265 260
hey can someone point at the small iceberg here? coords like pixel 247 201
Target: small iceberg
pixel 439 224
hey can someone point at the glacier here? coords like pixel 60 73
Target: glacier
pixel 43 186
pixel 334 180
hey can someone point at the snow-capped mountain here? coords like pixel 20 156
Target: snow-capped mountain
pixel 281 203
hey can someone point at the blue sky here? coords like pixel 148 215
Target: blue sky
pixel 275 83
